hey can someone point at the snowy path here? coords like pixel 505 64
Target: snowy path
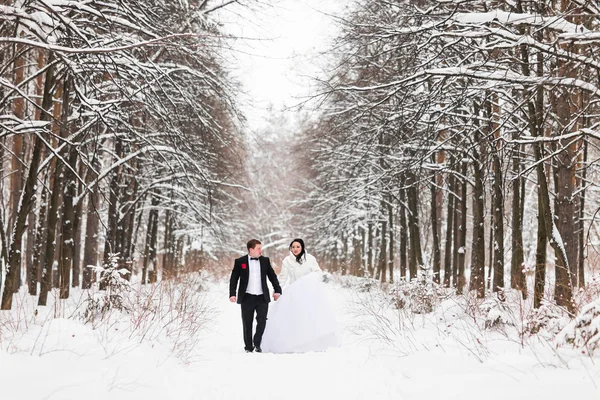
pixel 220 369
pixel 360 369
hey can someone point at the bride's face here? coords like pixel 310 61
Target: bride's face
pixel 296 248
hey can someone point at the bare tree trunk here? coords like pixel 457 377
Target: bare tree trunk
pixel 129 224
pixel 77 236
pixel 377 250
pixel 370 251
pixel 449 229
pixel 31 272
pixel 68 214
pixel 150 240
pixel 435 230
pixel 39 240
pixel 517 278
pixel 25 203
pixel 49 254
pixel 477 281
pixel 125 202
pixel 462 234
pixel 58 247
pixel 416 255
pixel 90 253
pixel 566 272
pixel 581 259
pixel 391 234
pixel 382 267
pixel 344 254
pixel 167 244
pixel 113 214
pixel 563 294
pixel 17 159
pixel 403 232
pixel 153 267
pixel 31 276
pixel 564 105
pixel 545 217
pixel 498 201
pixel 455 235
pixel 540 258
pixel 356 257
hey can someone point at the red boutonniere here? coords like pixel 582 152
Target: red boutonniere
pixel 244 266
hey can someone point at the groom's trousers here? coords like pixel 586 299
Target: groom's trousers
pixel 251 304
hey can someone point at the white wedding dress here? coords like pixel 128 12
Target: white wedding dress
pixel 302 319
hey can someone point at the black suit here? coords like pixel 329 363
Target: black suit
pixel 253 303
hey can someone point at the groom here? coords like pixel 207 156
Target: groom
pixel 252 271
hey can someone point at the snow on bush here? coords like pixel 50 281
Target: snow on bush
pixel 584 330
pixel 114 297
pixel 497 312
pixel 419 295
pixel 327 277
pixel 589 293
pixel 549 318
pixel 362 285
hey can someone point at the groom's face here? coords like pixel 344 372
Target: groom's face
pixel 256 251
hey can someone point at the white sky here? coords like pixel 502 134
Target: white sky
pixel 276 63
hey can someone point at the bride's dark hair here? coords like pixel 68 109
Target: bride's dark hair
pixel 302 252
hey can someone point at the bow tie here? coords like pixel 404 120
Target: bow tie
pixel 253 258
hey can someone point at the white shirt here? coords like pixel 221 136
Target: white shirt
pixel 254 281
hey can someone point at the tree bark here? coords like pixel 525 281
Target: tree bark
pixel 90 253
pixel 16 159
pixel 113 215
pixel 391 235
pixel 68 211
pixel 477 281
pixel 77 236
pixel 563 290
pixel 26 202
pixel 462 234
pixel 130 221
pixel 517 278
pixel 370 250
pixel 498 201
pixel 150 240
pixel 153 267
pixel 540 258
pixel 167 248
pixel 49 253
pixel 403 232
pixel 416 255
pixel 30 249
pixel 382 267
pixel 39 240
pixel 449 229
pixel 435 230
pixel 581 259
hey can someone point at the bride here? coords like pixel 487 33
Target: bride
pixel 301 320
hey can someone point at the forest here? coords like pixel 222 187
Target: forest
pixel 460 140
pixel 442 166
pixel 454 140
pixel 120 135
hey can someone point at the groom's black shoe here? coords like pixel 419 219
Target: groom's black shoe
pixel 258 349
pixel 249 350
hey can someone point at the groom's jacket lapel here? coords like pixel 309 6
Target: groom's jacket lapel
pixel 246 271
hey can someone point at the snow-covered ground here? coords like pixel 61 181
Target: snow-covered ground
pixel 195 351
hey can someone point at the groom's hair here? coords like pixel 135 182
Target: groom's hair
pixel 252 243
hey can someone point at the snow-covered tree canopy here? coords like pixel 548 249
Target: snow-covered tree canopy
pixel 127 100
